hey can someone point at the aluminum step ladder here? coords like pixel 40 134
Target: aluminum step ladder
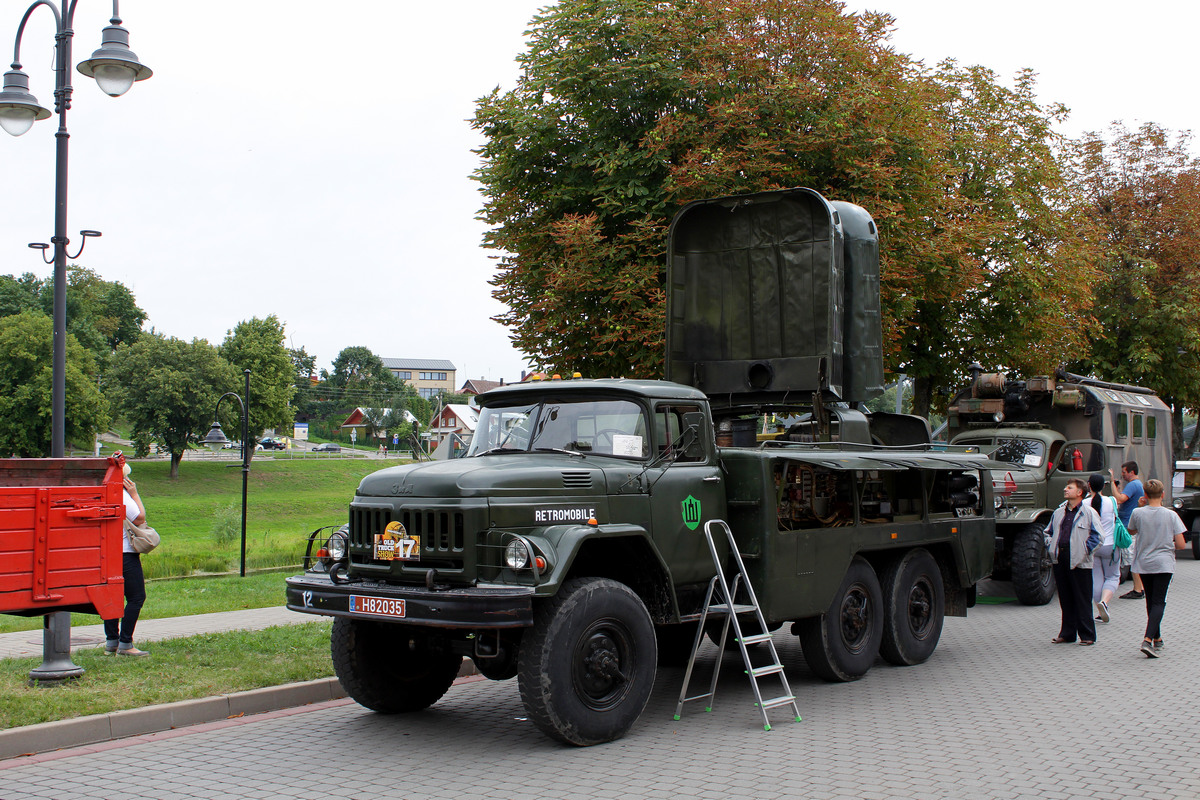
pixel 721 601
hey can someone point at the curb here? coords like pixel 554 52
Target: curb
pixel 30 739
pixel 64 733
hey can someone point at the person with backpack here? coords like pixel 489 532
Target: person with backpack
pixel 1159 534
pixel 1106 558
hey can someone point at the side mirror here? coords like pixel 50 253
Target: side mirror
pixel 693 424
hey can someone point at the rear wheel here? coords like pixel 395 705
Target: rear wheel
pixel 587 666
pixel 1032 577
pixel 391 668
pixel 914 601
pixel 841 644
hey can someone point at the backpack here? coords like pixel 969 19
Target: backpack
pixel 1122 540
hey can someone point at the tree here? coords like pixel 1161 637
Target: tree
pixel 19 294
pixel 168 388
pixel 257 345
pixel 1141 189
pixel 628 109
pixel 26 375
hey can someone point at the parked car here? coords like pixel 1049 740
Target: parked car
pixel 1185 497
pixel 271 443
pixel 327 447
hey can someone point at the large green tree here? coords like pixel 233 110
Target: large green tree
pixel 168 388
pixel 26 358
pixel 258 345
pixel 1141 190
pixel 627 109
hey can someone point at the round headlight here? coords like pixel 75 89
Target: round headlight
pixel 337 546
pixel 1177 502
pixel 998 502
pixel 516 555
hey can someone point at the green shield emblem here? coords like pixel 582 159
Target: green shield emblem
pixel 691 512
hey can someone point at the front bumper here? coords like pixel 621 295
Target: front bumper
pixel 468 607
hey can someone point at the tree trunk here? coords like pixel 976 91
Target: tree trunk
pixel 922 398
pixel 1177 431
pixel 175 459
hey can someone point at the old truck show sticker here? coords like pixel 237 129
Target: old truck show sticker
pixel 397 544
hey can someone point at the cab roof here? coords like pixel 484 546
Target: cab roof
pixel 659 390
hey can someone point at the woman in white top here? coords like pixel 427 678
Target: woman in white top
pixel 118 633
pixel 1106 562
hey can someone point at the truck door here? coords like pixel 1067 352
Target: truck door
pixel 687 489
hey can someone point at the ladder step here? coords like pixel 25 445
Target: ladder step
pixel 778 701
pixel 770 669
pixel 756 638
pixel 723 608
pixel 696 697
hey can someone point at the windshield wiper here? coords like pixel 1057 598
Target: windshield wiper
pixel 559 450
pixel 500 449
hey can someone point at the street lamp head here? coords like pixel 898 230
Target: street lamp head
pixel 215 438
pixel 18 108
pixel 114 65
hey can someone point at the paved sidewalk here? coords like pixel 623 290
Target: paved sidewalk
pixel 25 644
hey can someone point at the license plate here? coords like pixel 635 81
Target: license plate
pixel 397 544
pixel 377 606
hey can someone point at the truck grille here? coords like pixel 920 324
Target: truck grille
pixel 447 535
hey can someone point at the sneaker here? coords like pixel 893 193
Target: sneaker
pixel 1102 607
pixel 1158 646
pixel 1133 594
pixel 1148 649
pixel 131 651
pixel 110 648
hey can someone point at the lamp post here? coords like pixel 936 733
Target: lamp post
pixel 216 440
pixel 115 68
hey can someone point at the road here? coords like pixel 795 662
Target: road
pixel 998 712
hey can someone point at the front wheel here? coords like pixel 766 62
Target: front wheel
pixel 1032 575
pixel 586 667
pixel 914 600
pixel 391 668
pixel 841 644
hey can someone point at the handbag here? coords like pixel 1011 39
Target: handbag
pixel 1122 540
pixel 142 538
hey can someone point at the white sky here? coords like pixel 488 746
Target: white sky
pixel 311 160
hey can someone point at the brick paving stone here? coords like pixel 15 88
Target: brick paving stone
pixel 990 717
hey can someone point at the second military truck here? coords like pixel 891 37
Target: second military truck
pixel 567 547
pixel 1049 430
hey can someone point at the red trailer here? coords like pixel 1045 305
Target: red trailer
pixel 60 536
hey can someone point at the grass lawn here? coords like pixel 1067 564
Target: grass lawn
pixel 178 669
pixel 199 514
pixel 184 597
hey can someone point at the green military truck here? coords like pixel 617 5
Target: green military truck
pixel 1185 491
pixel 1048 430
pixel 567 549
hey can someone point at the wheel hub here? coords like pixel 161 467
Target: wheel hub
pixel 600 672
pixel 920 608
pixel 856 618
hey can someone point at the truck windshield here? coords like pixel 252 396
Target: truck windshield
pixel 599 427
pixel 1026 452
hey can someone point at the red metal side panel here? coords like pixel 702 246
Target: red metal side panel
pixel 60 545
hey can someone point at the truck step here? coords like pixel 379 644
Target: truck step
pixel 770 669
pixel 775 702
pixel 756 638
pixel 723 608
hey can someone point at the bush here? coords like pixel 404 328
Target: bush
pixel 227 524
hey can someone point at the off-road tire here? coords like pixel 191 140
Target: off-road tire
pixel 587 666
pixel 914 608
pixel 1032 575
pixel 391 668
pixel 842 643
